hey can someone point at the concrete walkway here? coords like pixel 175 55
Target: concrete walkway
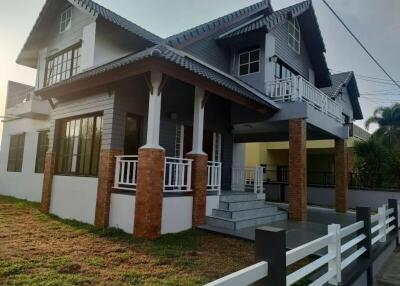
pixel 391 273
pixel 298 233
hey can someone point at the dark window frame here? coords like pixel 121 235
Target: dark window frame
pixel 41 150
pixel 140 120
pixel 250 62
pixel 63 154
pixel 17 151
pixel 73 61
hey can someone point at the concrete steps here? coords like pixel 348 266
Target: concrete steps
pixel 239 210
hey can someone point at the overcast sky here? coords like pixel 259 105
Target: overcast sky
pixel 375 22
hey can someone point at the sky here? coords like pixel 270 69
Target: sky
pixel 374 22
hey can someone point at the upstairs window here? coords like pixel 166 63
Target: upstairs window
pixel 294 35
pixel 42 147
pixel 16 153
pixel 63 65
pixel 65 20
pixel 79 144
pixel 249 62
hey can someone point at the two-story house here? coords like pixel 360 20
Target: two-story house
pixel 129 130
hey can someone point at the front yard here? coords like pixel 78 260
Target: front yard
pixel 37 249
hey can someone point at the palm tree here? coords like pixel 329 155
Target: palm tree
pixel 388 120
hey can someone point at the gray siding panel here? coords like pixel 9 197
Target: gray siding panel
pixel 300 63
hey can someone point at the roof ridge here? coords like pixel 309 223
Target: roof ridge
pixel 184 36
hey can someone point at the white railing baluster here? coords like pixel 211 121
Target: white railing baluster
pixel 126 168
pixel 214 170
pixel 382 223
pixel 251 178
pixel 177 175
pixel 334 249
pixel 297 88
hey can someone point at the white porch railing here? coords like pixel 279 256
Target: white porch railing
pixel 177 175
pixel 126 168
pixel 299 89
pixel 214 171
pixel 246 178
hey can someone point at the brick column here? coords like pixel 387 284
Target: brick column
pixel 104 187
pixel 149 194
pixel 50 164
pixel 199 188
pixel 341 175
pixel 298 169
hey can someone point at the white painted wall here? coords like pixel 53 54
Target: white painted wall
pixel 122 212
pixel 239 155
pixel 176 214
pixel 212 202
pixel 26 184
pixel 74 198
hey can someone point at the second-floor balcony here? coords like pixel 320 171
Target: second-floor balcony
pixel 25 104
pixel 299 89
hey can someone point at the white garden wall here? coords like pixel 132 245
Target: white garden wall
pixel 212 202
pixel 74 198
pixel 176 214
pixel 26 184
pixel 122 211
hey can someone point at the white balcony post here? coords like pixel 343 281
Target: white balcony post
pixel 334 248
pixel 117 172
pixel 154 113
pixel 198 122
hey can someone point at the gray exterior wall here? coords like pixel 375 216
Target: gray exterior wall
pixel 256 80
pixel 344 100
pixel 299 62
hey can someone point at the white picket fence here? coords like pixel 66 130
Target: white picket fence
pixel 244 178
pixel 214 174
pixel 334 258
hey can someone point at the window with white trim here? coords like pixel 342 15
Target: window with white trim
pixel 65 20
pixel 249 62
pixel 294 35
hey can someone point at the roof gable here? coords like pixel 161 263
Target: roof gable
pixel 93 10
pixel 347 80
pixel 197 33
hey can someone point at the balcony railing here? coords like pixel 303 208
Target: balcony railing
pixel 248 178
pixel 298 89
pixel 359 133
pixel 126 168
pixel 177 175
pixel 214 177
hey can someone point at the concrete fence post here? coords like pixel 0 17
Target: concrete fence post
pixel 393 204
pixel 364 214
pixel 271 247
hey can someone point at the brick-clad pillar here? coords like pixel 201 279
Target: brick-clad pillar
pixel 199 188
pixel 104 187
pixel 50 164
pixel 298 169
pixel 149 194
pixel 341 176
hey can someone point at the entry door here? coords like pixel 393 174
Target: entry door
pixel 132 135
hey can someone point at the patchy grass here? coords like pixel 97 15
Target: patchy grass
pixel 38 249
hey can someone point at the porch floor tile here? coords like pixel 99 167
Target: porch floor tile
pixel 297 233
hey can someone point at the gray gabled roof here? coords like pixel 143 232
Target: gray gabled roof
pixel 184 61
pixel 341 80
pixel 97 11
pixel 270 21
pixel 220 23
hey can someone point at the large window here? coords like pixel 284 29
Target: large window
pixel 294 35
pixel 16 153
pixel 42 147
pixel 79 146
pixel 63 65
pixel 65 20
pixel 249 62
